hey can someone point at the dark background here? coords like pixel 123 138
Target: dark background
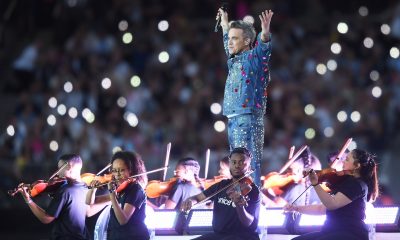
pixel 46 43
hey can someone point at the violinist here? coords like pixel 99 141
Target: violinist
pixel 187 184
pixel 67 208
pixel 127 213
pixel 235 216
pixel 345 205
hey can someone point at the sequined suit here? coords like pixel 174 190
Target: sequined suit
pixel 245 99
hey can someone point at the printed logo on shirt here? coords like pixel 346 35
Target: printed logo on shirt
pixel 227 202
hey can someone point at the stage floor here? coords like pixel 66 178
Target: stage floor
pixel 379 236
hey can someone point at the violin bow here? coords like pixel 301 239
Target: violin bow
pixel 166 160
pixel 207 162
pixel 102 170
pixel 292 159
pixel 58 171
pixel 339 156
pixel 148 172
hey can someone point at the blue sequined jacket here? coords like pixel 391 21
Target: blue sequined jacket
pixel 248 77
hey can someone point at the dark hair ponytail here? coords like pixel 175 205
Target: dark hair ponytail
pixel 368 172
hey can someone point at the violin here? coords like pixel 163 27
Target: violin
pixel 88 178
pixel 125 184
pixel 243 186
pixel 156 188
pixel 209 182
pixel 40 186
pixel 278 182
pixel 330 175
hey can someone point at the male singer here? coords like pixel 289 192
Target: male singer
pixel 245 96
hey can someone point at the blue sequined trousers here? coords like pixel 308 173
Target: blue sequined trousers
pixel 247 130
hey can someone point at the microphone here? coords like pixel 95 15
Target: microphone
pixel 225 8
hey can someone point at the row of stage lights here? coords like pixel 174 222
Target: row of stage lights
pixel 199 221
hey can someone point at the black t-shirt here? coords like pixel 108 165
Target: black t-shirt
pixel 135 227
pixel 225 218
pixel 181 191
pixel 350 217
pixel 69 208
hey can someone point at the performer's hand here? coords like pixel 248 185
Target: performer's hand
pixel 312 176
pixel 24 192
pixel 236 197
pixel 187 205
pixel 290 208
pixel 224 19
pixel 93 184
pixel 265 19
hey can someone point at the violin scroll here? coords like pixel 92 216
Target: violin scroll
pixel 40 186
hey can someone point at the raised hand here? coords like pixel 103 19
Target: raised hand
pixel 224 19
pixel 265 19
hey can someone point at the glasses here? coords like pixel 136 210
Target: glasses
pixel 121 170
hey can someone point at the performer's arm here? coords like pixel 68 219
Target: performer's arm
pixel 318 209
pixel 188 203
pixel 122 215
pixel 95 204
pixel 36 209
pixel 265 18
pixel 225 27
pixel 244 216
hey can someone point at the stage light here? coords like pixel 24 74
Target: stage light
pixel 53 146
pixel 219 126
pixel 385 29
pixel 386 219
pixel 52 102
pixel 123 25
pixel 106 83
pixel 363 11
pixel 10 130
pixel 168 219
pixel 394 52
pixel 135 81
pixel 68 87
pixel 309 109
pixel 274 219
pixel 199 221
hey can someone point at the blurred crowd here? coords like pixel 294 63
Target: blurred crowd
pixel 69 50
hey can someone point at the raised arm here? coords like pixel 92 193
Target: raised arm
pixel 225 27
pixel 265 19
pixel 36 210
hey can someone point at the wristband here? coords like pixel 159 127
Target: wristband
pixel 314 184
pixel 28 201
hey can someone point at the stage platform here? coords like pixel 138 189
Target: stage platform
pixel 379 236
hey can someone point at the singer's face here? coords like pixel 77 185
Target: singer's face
pixel 236 41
